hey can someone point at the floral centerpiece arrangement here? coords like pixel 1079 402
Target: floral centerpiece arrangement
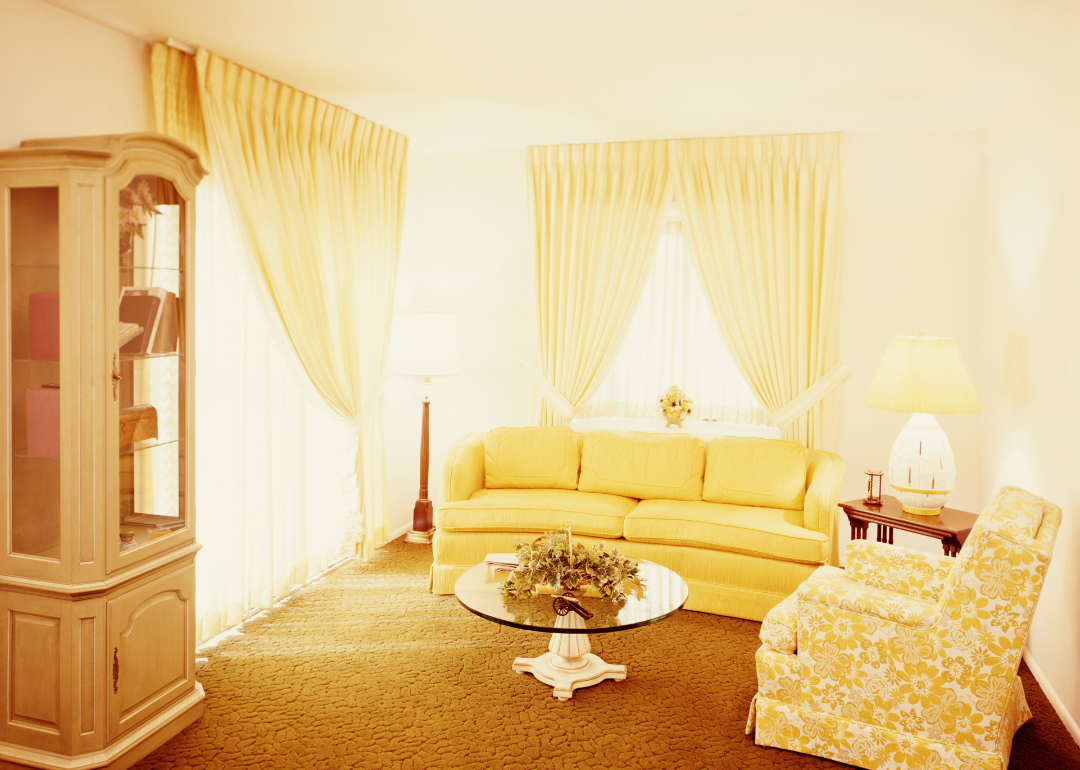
pixel 556 561
pixel 675 405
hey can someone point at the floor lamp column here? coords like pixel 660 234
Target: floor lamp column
pixel 424 345
pixel 422 527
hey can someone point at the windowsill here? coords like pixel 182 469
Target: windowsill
pixel 700 428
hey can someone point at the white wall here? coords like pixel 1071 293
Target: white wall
pixel 465 249
pixel 912 256
pixel 913 232
pixel 62 75
pixel 1031 349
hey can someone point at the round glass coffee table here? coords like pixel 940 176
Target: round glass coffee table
pixel 568 664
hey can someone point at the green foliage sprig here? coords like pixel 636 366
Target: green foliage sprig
pixel 545 561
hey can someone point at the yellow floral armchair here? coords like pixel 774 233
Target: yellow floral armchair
pixel 907 659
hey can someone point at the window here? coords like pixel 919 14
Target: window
pixel 673 338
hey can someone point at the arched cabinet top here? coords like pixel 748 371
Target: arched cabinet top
pixel 100 152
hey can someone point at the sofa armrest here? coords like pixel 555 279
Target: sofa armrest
pixel 841 593
pixel 463 471
pixel 824 477
pixel 898 569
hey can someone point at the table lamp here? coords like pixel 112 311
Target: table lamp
pixel 425 345
pixel 924 376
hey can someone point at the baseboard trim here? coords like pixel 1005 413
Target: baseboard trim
pixel 399 531
pixel 1055 701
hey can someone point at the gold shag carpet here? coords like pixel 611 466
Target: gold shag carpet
pixel 366 669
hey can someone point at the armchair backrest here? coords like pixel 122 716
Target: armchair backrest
pixel 990 597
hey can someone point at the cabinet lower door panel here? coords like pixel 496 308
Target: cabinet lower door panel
pixel 151 648
pixel 36 710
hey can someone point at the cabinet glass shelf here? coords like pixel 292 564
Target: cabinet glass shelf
pixel 147 356
pixel 140 446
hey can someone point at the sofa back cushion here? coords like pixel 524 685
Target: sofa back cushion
pixel 531 458
pixel 755 471
pixel 642 465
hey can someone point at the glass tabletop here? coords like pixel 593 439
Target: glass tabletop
pixel 665 594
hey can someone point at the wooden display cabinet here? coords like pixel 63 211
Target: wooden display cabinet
pixel 97 566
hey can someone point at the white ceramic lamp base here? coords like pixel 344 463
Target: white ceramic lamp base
pixel 921 467
pixel 568 664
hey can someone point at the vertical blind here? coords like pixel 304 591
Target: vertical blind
pixel 673 339
pixel 271 469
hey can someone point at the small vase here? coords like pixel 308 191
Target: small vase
pixel 674 417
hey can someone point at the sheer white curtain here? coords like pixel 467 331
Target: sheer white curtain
pixel 673 339
pixel 271 468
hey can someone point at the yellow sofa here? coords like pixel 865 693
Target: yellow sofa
pixel 907 659
pixel 743 520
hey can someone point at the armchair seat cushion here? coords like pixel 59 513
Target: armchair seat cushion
pixel 536 510
pixel 770 532
pixel 838 591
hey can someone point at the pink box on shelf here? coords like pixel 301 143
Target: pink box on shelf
pixel 43 422
pixel 45 326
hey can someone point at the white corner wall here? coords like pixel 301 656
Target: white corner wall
pixel 63 75
pixel 912 262
pixel 913 232
pixel 465 250
pixel 1030 379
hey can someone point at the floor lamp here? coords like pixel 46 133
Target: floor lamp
pixel 426 346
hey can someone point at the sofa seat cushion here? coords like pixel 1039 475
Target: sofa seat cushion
pixel 536 510
pixel 769 532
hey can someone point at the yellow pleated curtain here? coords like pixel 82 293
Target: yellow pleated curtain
pixel 762 215
pixel 319 195
pixel 596 211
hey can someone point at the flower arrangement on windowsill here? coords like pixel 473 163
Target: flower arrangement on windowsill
pixel 676 406
pixel 554 560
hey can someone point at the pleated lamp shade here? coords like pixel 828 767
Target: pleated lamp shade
pixel 923 375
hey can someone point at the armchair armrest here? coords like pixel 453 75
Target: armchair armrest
pixel 898 569
pixel 840 592
pixel 463 471
pixel 824 476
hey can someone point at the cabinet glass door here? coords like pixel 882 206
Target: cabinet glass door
pixel 151 388
pixel 35 371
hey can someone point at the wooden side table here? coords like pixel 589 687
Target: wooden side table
pixel 950 526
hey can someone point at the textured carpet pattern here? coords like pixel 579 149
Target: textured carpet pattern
pixel 367 669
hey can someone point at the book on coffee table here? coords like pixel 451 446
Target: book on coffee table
pixel 498 563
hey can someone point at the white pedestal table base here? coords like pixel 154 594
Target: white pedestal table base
pixel 568 664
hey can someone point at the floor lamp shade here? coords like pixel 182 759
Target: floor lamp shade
pixel 425 344
pixel 923 376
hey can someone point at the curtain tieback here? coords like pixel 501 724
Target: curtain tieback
pixel 551 393
pixel 357 423
pixel 809 398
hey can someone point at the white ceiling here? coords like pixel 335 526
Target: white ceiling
pixel 498 74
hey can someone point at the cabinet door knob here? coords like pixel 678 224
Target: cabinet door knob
pixel 115 669
pixel 116 377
